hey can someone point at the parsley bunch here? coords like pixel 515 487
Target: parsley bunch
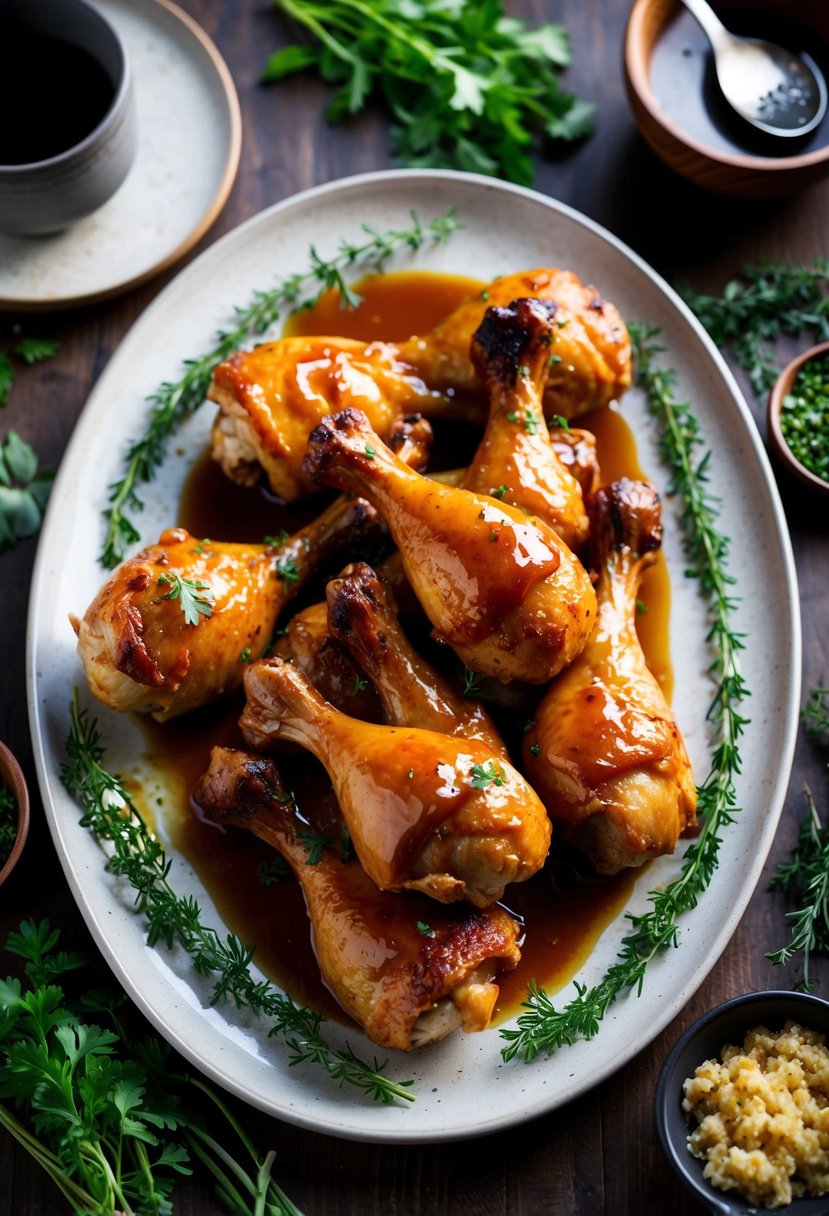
pixel 466 86
pixel 94 1105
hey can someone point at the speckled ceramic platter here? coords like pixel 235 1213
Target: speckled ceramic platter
pixel 462 1086
pixel 189 141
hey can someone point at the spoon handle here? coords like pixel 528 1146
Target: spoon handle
pixel 710 22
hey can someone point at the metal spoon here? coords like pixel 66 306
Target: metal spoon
pixel 772 88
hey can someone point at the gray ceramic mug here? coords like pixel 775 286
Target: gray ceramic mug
pixel 48 194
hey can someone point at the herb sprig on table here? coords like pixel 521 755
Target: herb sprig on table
pixel 542 1027
pixel 175 400
pixel 138 857
pixel 97 1108
pixel 28 350
pixel 24 491
pixel 762 304
pixel 804 876
pixel 466 86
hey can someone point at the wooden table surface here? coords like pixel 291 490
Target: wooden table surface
pixel 599 1154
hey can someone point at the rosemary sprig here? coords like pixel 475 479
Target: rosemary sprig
pixel 543 1028
pixel 138 857
pixel 174 401
pixel 755 309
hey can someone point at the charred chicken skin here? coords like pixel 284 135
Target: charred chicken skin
pixel 511 352
pixel 271 397
pixel 605 753
pixel 425 811
pixel 406 988
pixel 502 589
pixel 308 644
pixel 362 617
pixel 172 627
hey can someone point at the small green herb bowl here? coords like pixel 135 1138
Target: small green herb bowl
pixel 11 777
pixel 782 389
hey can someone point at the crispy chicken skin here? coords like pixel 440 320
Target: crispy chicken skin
pixel 140 653
pixel 425 811
pixel 308 644
pixel 406 988
pixel 362 617
pixel 502 590
pixel 605 753
pixel 511 352
pixel 590 339
pixel 271 397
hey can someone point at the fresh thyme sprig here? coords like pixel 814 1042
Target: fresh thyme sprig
pixel 543 1028
pixel 138 857
pixel 175 400
pixel 804 876
pixel 763 303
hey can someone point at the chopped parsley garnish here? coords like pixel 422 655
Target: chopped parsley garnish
pixel 314 843
pixel 484 775
pixel 194 596
pixel 287 570
pixel 425 930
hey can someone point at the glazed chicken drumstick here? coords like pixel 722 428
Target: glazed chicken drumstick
pixel 271 397
pixel 512 353
pixel 605 753
pixel 503 590
pixel 362 616
pixel 171 628
pixel 425 811
pixel 405 986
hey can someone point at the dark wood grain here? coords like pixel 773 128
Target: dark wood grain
pixel 599 1155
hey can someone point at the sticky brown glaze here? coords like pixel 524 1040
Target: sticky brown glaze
pixel 406 969
pixel 511 353
pixel 273 395
pixel 591 341
pixel 308 644
pixel 362 617
pixel 503 590
pixel 425 811
pixel 140 654
pixel 605 752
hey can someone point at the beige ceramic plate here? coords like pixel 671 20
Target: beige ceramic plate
pixel 462 1086
pixel 189 140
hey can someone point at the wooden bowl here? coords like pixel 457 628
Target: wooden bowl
pixel 681 114
pixel 11 776
pixel 783 386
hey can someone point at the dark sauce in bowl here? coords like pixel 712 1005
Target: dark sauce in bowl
pixel 684 83
pixel 53 94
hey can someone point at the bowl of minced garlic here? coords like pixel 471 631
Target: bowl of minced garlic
pixel 742 1105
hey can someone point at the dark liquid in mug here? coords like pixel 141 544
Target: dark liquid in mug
pixel 52 95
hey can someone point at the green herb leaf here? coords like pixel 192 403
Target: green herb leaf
pixel 24 491
pixel 465 86
pixel 34 350
pixel 484 775
pixel 194 596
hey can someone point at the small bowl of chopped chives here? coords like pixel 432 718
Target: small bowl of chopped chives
pixel 798 416
pixel 14 812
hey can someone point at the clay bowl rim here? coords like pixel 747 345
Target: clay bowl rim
pixel 11 775
pixel 637 63
pixel 780 388
pixel 726 1023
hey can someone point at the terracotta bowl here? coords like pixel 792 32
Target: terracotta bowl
pixel 782 387
pixel 11 776
pixel 680 113
pixel 704 1040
